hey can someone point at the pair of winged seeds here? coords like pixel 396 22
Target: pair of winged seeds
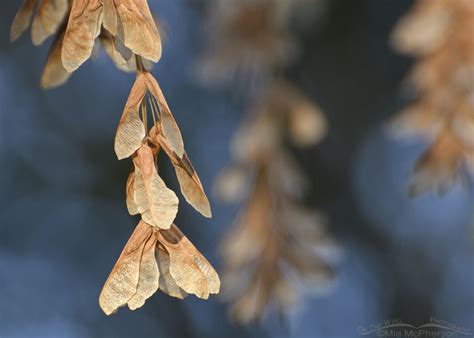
pixel 157 259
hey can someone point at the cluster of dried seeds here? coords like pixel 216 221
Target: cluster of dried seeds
pixel 247 41
pixel 276 245
pixel 278 249
pixel 158 255
pixel 439 34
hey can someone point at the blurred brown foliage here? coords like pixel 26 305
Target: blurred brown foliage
pixel 439 34
pixel 275 246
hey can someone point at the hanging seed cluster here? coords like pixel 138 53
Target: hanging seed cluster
pixel 439 35
pixel 157 256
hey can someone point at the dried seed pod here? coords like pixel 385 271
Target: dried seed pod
pixel 54 74
pixel 148 282
pixel 169 127
pixel 131 129
pixel 22 19
pixel 130 193
pixel 157 204
pixel 130 21
pixel 153 259
pixel 167 283
pixel 83 28
pixel 49 17
pixel 189 182
pixel 121 285
pixel 189 269
pixel 137 28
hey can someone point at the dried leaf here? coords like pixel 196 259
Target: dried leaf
pixel 49 16
pixel 157 204
pixel 131 130
pixel 122 282
pixel 83 28
pixel 130 193
pixel 137 29
pixel 167 283
pixel 169 126
pixel 22 19
pixel 54 74
pixel 190 270
pixel 149 276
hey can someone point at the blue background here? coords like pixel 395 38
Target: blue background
pixel 63 220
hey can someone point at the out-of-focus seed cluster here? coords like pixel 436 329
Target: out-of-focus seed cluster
pixel 439 34
pixel 278 248
pixel 278 245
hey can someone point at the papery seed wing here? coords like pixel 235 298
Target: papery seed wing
pixel 122 59
pixel 313 268
pixel 232 184
pixel 463 122
pixel 307 124
pixel 137 29
pixel 157 204
pixel 131 130
pixel 190 270
pixel 193 191
pixel 190 184
pixel 130 134
pixel 54 74
pixel 439 167
pixel 285 293
pixel 167 283
pixel 423 29
pixel 246 242
pixel 137 93
pixel 149 276
pixel 83 28
pixel 122 282
pixel 416 120
pixel 169 126
pixel 130 193
pixel 247 307
pixel 49 16
pixel 22 19
pixel 110 17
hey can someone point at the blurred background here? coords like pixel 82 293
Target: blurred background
pixel 63 220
